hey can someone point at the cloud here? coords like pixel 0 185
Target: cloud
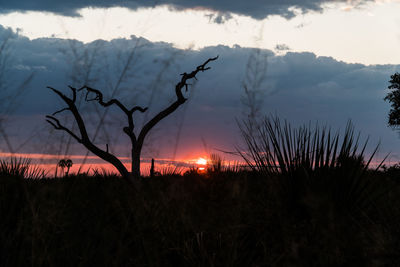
pixel 282 48
pixel 300 87
pixel 219 17
pixel 257 9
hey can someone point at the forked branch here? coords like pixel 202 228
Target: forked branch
pixel 58 126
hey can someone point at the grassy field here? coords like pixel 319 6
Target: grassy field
pixel 219 218
pixel 308 198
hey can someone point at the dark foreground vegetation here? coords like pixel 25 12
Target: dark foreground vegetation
pixel 214 219
pixel 324 207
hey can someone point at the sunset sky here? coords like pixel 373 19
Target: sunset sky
pixel 325 62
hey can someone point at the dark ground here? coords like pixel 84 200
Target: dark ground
pixel 229 218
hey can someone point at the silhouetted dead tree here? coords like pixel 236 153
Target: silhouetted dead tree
pixel 136 141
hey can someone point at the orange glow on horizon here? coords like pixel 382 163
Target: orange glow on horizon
pixel 48 163
pixel 83 164
pixel 49 156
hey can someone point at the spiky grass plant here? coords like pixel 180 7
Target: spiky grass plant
pixel 170 170
pixel 321 182
pixel 21 167
pixel 102 172
pixel 216 163
pixel 311 159
pixel 276 148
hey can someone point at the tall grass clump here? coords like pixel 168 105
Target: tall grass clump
pixel 321 184
pixel 312 159
pixel 20 167
pixel 278 148
pixel 217 165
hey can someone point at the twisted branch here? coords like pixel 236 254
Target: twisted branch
pixel 58 126
pixel 180 99
pixel 186 76
pixel 99 98
pixel 59 111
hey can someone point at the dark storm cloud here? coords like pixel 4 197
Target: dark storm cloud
pixel 300 87
pixel 255 8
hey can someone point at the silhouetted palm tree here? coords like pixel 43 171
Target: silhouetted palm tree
pixel 65 163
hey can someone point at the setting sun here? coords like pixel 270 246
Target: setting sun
pixel 201 161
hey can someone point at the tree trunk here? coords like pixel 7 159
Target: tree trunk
pixel 152 168
pixel 136 162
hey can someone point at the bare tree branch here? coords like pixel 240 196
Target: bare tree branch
pixel 185 77
pixel 85 140
pixel 66 99
pixel 180 99
pixel 130 60
pixel 58 126
pixel 99 98
pixel 129 112
pixel 59 111
pixel 84 136
pixel 138 108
